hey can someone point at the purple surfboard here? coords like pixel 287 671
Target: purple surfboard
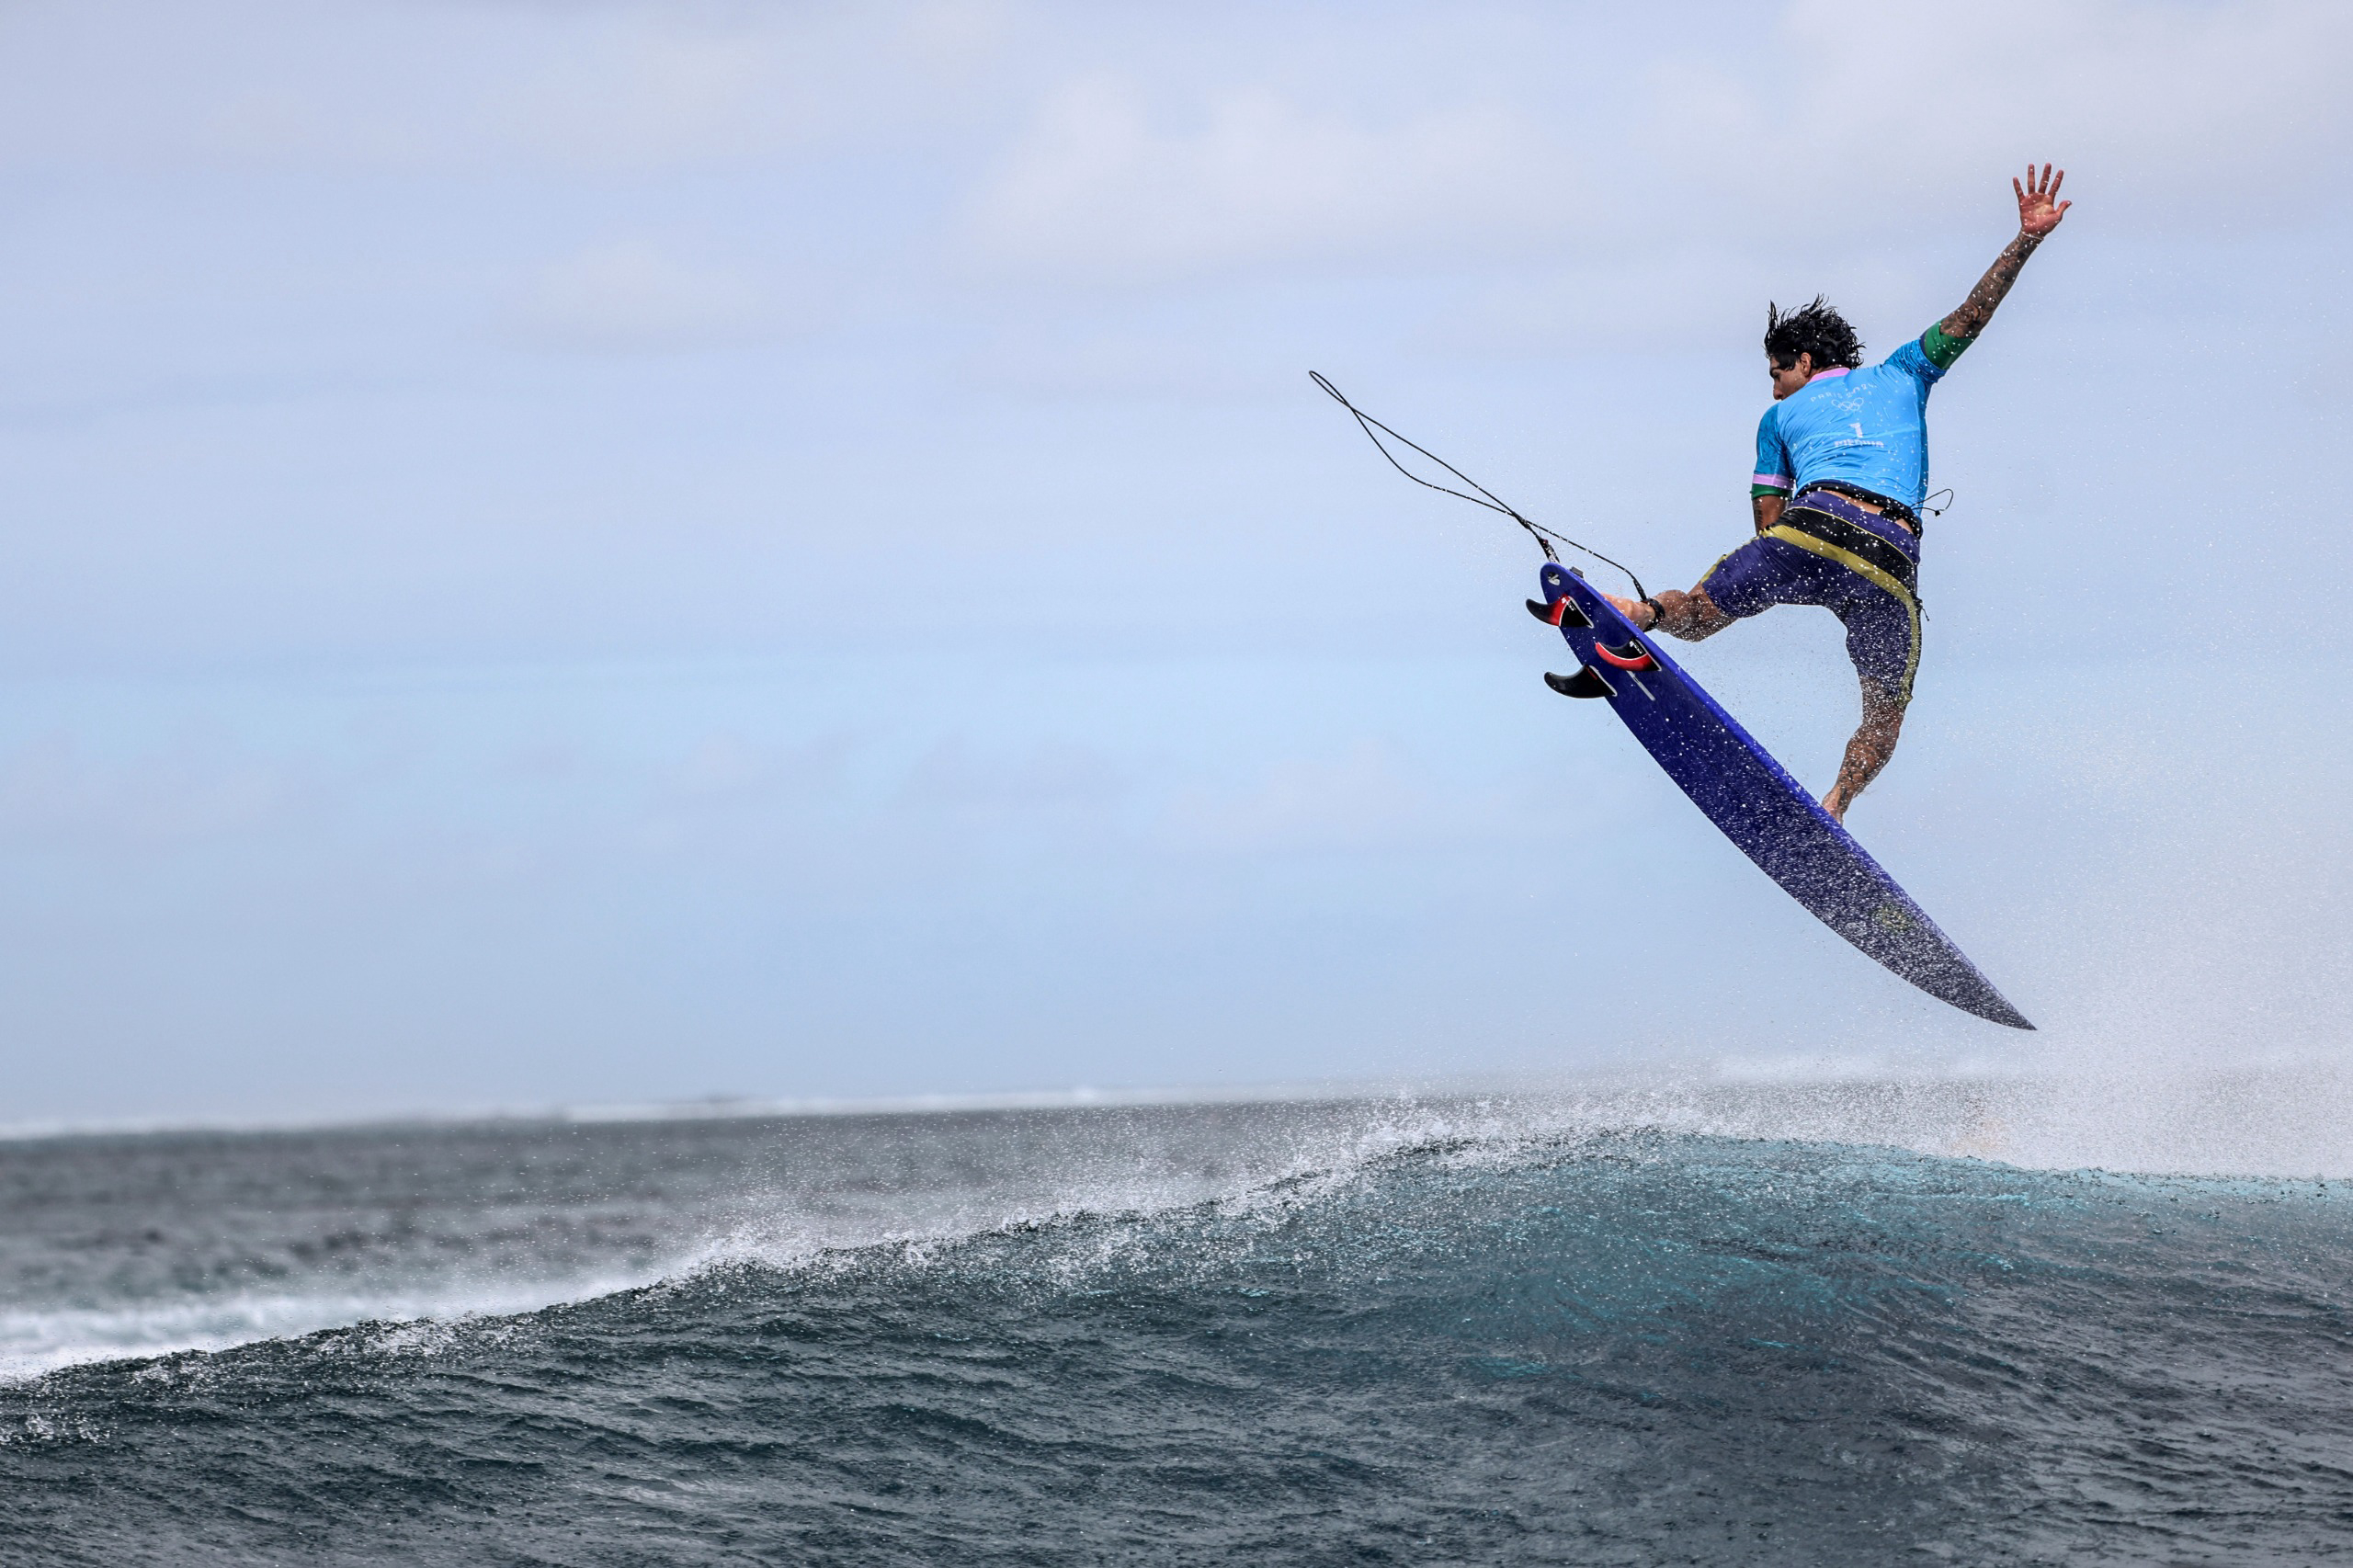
pixel 1769 815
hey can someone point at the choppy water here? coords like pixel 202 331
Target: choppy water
pixel 1277 1334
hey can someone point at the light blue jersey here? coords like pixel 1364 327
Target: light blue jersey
pixel 1868 429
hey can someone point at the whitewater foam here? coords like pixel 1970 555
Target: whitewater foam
pixel 273 1269
pixel 1489 1332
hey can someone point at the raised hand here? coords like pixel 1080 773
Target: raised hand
pixel 2040 207
pixel 2039 210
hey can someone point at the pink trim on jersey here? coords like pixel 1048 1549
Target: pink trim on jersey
pixel 1782 480
pixel 1825 375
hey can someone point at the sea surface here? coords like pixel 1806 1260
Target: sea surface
pixel 1324 1332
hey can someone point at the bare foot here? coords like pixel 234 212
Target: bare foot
pixel 1836 804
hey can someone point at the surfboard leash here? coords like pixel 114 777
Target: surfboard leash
pixel 1545 538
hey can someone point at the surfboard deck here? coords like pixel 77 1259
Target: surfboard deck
pixel 1764 811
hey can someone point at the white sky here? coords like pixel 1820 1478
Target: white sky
pixel 605 552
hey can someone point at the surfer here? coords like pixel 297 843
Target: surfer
pixel 1842 469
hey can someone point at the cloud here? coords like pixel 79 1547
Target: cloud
pixel 632 295
pixel 629 88
pixel 1097 186
pixel 1854 150
pixel 1687 300
pixel 648 91
pixel 2219 113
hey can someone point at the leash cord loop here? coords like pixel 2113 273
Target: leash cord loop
pixel 1545 538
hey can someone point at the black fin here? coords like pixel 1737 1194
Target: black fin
pixel 1587 682
pixel 1569 613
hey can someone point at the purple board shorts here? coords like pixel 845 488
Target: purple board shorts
pixel 1861 567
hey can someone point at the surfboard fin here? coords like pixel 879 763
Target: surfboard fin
pixel 1587 682
pixel 1559 612
pixel 1632 656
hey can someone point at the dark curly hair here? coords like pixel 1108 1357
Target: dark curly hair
pixel 1816 329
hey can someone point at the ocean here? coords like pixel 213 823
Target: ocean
pixel 1382 1330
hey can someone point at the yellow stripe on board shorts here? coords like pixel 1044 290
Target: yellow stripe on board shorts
pixel 1876 576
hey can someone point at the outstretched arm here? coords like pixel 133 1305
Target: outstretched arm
pixel 2039 210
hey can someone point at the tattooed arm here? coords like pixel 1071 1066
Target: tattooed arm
pixel 2039 210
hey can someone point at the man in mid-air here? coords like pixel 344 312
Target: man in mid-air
pixel 1842 469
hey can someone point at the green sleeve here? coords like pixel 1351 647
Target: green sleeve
pixel 1757 490
pixel 1941 349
